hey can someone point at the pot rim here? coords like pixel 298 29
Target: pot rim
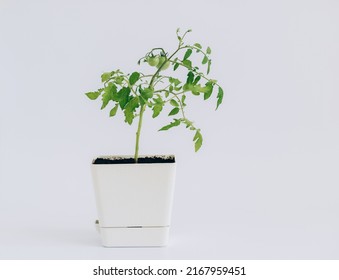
pixel 129 159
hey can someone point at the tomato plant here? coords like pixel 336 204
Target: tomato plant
pixel 137 91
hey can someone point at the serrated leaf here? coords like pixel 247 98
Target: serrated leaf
pixel 197 45
pixel 93 95
pixel 105 100
pixel 208 51
pixel 208 90
pixel 172 124
pixel 198 140
pixel 130 109
pixel 134 78
pixel 187 54
pixel 209 66
pixel 187 63
pixel 106 76
pixel 109 91
pixel 174 103
pixel 113 112
pixel 124 96
pixel 220 96
pixel 174 111
pixel 175 66
pixel 205 60
pixel 157 108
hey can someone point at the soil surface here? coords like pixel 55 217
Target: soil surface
pixel 130 160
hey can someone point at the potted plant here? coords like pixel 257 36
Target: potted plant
pixel 134 193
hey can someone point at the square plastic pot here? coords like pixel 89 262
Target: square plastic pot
pixel 134 203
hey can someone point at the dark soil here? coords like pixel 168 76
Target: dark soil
pixel 130 160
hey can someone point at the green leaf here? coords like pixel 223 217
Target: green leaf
pixel 158 99
pixel 187 54
pixel 172 124
pixel 174 103
pixel 208 90
pixel 108 94
pixel 105 99
pixel 124 96
pixel 209 66
pixel 146 93
pixel 187 63
pixel 190 77
pixel 198 140
pixel 205 60
pixel 174 111
pixel 187 87
pixel 196 80
pixel 208 51
pixel 116 95
pixel 134 78
pixel 119 79
pixel 111 89
pixel 195 89
pixel 220 96
pixel 113 112
pixel 130 109
pixel 188 124
pixel 175 66
pixel 93 95
pixel 106 76
pixel 183 98
pixel 174 81
pixel 196 135
pixel 166 93
pixel 197 45
pixel 157 108
pixel 195 92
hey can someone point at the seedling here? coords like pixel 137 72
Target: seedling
pixel 133 93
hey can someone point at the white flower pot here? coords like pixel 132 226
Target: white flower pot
pixel 134 202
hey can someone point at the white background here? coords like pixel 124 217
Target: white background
pixel 265 184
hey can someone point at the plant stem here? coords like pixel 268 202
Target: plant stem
pixel 136 153
pixel 143 107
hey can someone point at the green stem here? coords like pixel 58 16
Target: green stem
pixel 136 153
pixel 143 107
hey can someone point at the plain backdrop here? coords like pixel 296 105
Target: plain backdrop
pixel 265 184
